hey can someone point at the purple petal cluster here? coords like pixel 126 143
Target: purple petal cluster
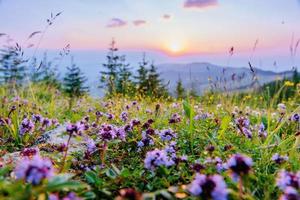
pixel 27 126
pixel 167 135
pixel 34 170
pixel 145 141
pixel 289 183
pixel 278 159
pixel 175 118
pixel 239 165
pixel 157 158
pixel 209 187
pixel 107 132
pixel 5 121
pixel 124 116
pixel 262 131
pixel 243 125
pixel 75 129
pixel 287 179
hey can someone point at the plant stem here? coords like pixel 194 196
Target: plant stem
pixel 65 155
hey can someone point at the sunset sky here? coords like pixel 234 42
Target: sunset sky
pixel 179 30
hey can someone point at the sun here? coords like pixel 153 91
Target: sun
pixel 175 47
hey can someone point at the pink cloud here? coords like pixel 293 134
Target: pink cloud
pixel 139 22
pixel 116 22
pixel 166 16
pixel 200 3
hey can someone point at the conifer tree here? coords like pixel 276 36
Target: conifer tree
pixel 12 66
pixel 74 83
pixel 180 91
pixel 155 87
pixel 124 82
pixel 109 77
pixel 44 72
pixel 142 76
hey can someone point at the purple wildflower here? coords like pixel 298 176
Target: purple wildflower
pixel 55 122
pixel 167 135
pixel 135 122
pixel 71 196
pixel 29 152
pixel 46 122
pixel 296 117
pixel 209 187
pixel 146 140
pixel 175 118
pixel 110 116
pixel 261 131
pixel 5 121
pixel 121 133
pixel 290 193
pixel 157 158
pixel 239 165
pixel 37 118
pixel 278 159
pixel 34 170
pixel 286 179
pixel 107 132
pixel 75 129
pixel 98 114
pixel 124 116
pixel 27 126
pixel 91 146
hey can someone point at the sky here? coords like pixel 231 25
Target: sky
pixel 168 30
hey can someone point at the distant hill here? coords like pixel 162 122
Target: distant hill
pixel 197 75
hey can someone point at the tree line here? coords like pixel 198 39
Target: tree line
pixel 116 78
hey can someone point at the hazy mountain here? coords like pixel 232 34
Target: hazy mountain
pixel 197 75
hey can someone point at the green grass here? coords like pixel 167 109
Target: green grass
pixel 124 164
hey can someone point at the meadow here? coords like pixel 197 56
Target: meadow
pixel 216 146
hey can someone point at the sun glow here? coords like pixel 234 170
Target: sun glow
pixel 175 48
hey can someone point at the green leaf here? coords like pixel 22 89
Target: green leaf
pixel 62 182
pixel 111 173
pixel 224 124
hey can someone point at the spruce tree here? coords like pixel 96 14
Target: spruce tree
pixel 44 72
pixel 155 87
pixel 124 82
pixel 180 91
pixel 109 77
pixel 12 66
pixel 74 83
pixel 142 76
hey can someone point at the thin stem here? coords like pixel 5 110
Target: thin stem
pixel 65 155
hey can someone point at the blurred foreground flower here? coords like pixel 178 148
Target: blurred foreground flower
pixel 34 170
pixel 209 187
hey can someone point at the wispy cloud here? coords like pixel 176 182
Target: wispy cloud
pixel 200 3
pixel 116 22
pixel 166 16
pixel 139 22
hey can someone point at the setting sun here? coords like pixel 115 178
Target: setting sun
pixel 175 47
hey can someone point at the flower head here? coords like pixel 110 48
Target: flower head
pixel 167 135
pixel 288 179
pixel 290 193
pixel 34 170
pixel 175 118
pixel 278 159
pixel 75 129
pixel 107 132
pixel 157 158
pixel 239 165
pixel 124 116
pixel 27 126
pixel 209 187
